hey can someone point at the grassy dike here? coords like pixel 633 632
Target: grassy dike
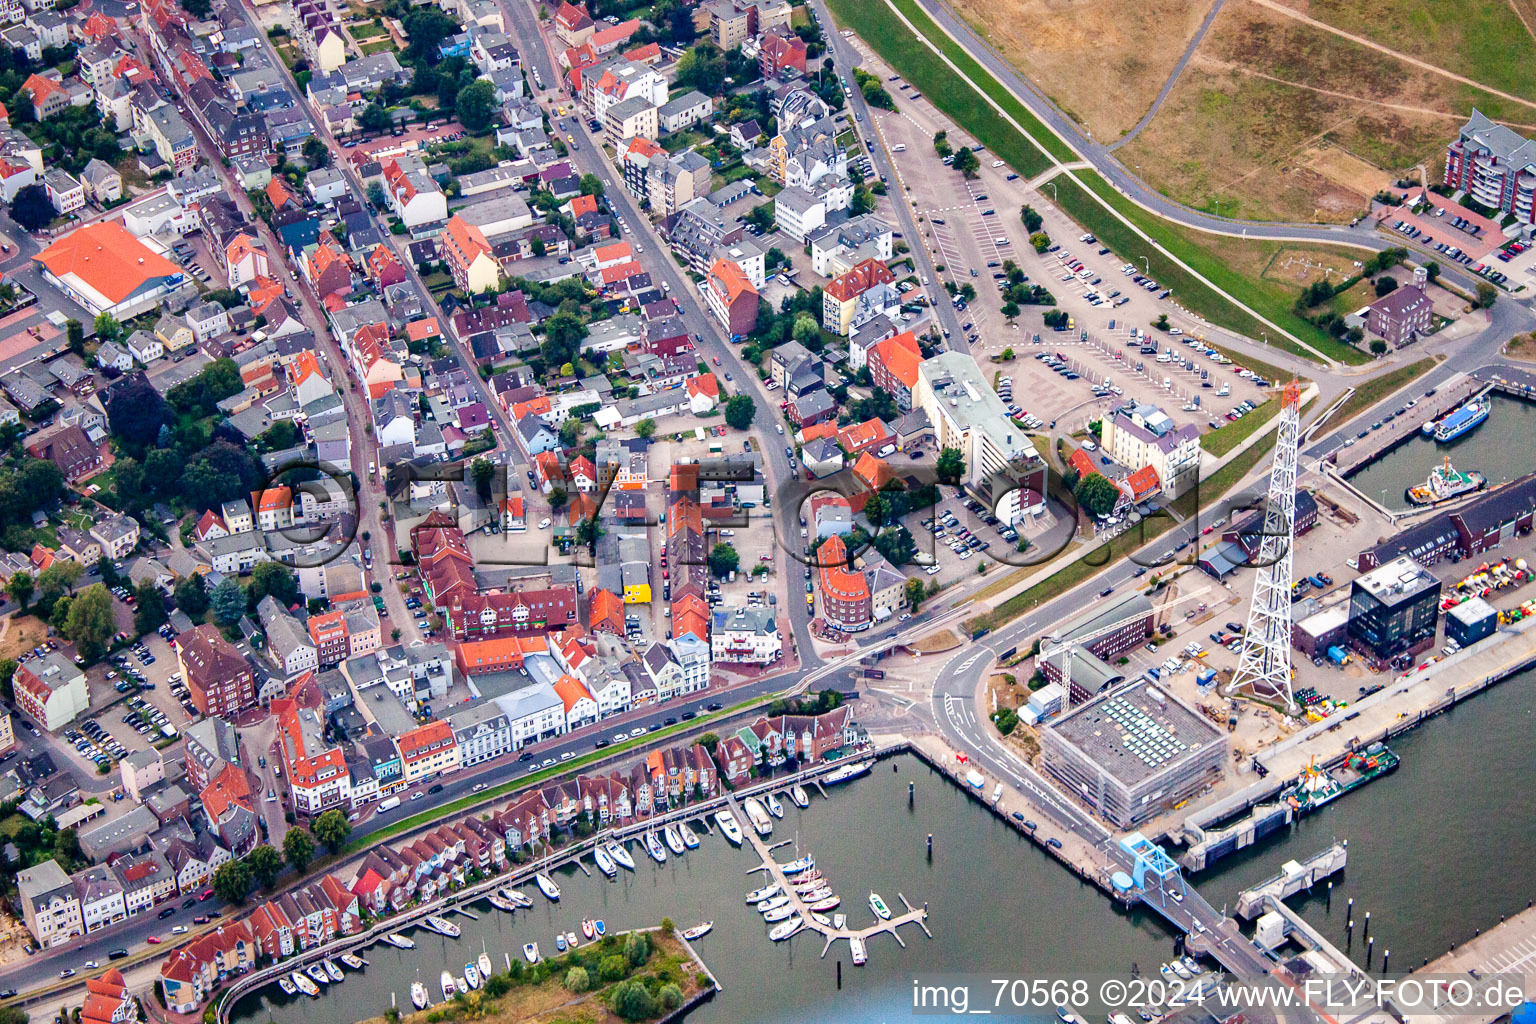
pixel 1030 154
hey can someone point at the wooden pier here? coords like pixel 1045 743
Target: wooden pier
pixel 913 915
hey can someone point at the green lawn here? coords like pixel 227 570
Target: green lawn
pixel 378 46
pixel 1224 439
pixel 1377 388
pixel 366 30
pixel 1026 153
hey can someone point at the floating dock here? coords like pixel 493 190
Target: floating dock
pixel 912 915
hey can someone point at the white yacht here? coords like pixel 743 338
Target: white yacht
pixel 757 816
pixel 418 995
pixel 443 926
pixel 674 841
pixel 774 807
pixel 785 929
pixel 620 855
pixel 798 795
pixel 604 862
pixel 547 886
pixel 728 827
pixel 856 944
pixel 653 847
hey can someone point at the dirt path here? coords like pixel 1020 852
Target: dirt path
pixel 1222 65
pixel 1323 26
pixel 1173 76
pixel 1515 6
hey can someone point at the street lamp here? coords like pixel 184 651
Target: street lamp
pixel 1052 186
pixel 1148 263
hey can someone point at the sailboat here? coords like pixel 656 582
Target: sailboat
pixel 674 841
pixel 653 847
pixel 332 970
pixel 785 929
pixel 826 903
pixel 604 861
pixel 774 807
pixel 399 941
pixel 766 892
pixel 780 913
pixel 773 903
pixel 304 985
pixel 546 886
pixel 500 902
pixel 795 867
pixel 797 794
pixel 620 855
pixel 689 839
pixel 484 963
pixel 472 975
pixel 443 926
pixel 698 931
pixel 516 898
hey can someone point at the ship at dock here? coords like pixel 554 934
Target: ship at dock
pixel 1319 786
pixel 1444 483
pixel 1462 421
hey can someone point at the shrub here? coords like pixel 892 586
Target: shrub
pixel 611 969
pixel 577 980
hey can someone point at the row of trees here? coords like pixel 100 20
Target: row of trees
pixel 232 881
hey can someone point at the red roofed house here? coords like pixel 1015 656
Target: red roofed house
pixel 329 269
pixel 872 472
pixel 840 298
pixel 731 297
pixel 703 393
pixel 606 612
pixel 780 49
pixel 329 635
pixel 108 1000
pixel 573 24
pixel 427 751
pixel 869 436
pixel 245 261
pixel 1080 461
pixel 70 450
pixel 49 97
pixel 1142 484
pixel 580 707
pixel 384 267
pixel 893 368
pixel 189 975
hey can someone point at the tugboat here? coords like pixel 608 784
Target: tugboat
pixel 1319 786
pixel 1444 483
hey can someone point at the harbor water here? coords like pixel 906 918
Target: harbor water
pixel 1440 848
pixel 996 903
pixel 1500 449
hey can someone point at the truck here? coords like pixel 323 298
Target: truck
pixel 1338 655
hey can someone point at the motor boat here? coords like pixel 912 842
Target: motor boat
pixel 698 931
pixel 587 929
pixel 332 970
pixel 353 961
pixel 287 985
pixel 761 823
pixel 546 886
pixel 570 940
pixel 418 995
pixel 449 989
pixel 318 973
pixel 560 941
pixel 728 827
pixel 531 952
pixel 462 983
pixel 856 945
pixel 775 808
pixel 877 905
pixel 599 927
pixel 304 985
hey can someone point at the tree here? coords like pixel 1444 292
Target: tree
pixel 646 428
pixel 232 881
pixel 266 864
pixel 577 980
pixel 1010 312
pixel 709 741
pixel 1161 323
pixel 20 587
pixel 32 208
pixel 7 679
pixel 90 623
pixel 571 431
pixel 1432 270
pixel 632 1001
pixel 107 327
pixel 1040 240
pixel 228 601
pixel 966 163
pixel 1487 295
pixel 941 144
pixel 562 339
pixel 483 472
pixel 55 581
pixel 191 597
pixel 149 613
pixel 637 948
pixel 557 498
pixel 723 559
pixel 316 153
pixel 806 328
pixel 1031 218
pixel 739 410
pixel 136 412
pixel 591 185
pixel 950 466
pixel 701 68
pixel 611 968
pixel 476 105
pixel 1378 346
pixel 1097 495
pixel 332 829
pixel 74 336
pixel 374 118
pixel 1385 285
pixel 276 579
pixel 670 995
pixel 298 849
pixel 912 593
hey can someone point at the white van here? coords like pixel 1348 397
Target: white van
pixel 1000 241
pixel 900 147
pixel 1090 446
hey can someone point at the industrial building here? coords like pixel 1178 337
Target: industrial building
pixel 1127 622
pixel 1482 524
pixel 1472 620
pixel 1134 752
pixel 1394 610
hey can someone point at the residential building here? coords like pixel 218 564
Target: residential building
pixel 745 636
pixel 49 904
pixel 1495 166
pixel 967 414
pixel 50 690
pixel 219 678
pixel 1139 435
pixel 731 298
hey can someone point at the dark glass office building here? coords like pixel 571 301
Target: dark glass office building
pixel 1394 610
